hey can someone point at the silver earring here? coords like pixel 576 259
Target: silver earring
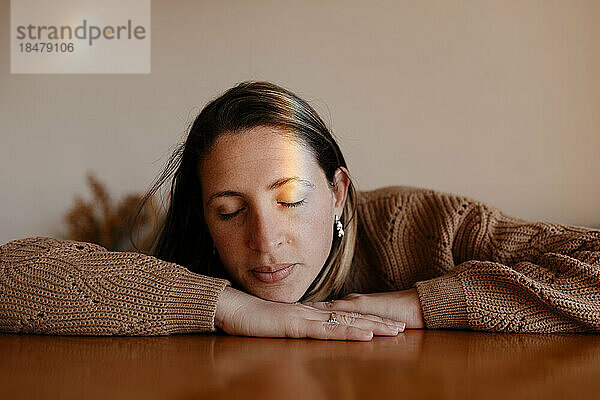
pixel 214 250
pixel 339 227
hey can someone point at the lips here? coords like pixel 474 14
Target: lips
pixel 272 268
pixel 272 274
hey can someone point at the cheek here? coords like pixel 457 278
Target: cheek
pixel 319 231
pixel 319 222
pixel 229 242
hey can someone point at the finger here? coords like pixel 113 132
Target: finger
pixel 332 331
pixel 384 321
pixel 349 306
pixel 378 327
pixel 367 322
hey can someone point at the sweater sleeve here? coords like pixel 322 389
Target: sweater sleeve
pixel 63 287
pixel 513 275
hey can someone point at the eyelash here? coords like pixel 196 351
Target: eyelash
pixel 289 205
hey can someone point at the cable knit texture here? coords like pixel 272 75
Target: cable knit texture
pixel 56 286
pixel 474 267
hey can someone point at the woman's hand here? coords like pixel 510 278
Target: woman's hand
pixel 403 305
pixel 239 313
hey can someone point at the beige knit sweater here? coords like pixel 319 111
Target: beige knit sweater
pixel 474 267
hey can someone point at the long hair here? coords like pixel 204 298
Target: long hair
pixel 183 235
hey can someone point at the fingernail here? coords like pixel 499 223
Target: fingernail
pixel 398 325
pixel 308 303
pixel 394 329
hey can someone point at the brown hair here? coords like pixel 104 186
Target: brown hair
pixel 183 236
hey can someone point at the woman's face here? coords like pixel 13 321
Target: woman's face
pixel 268 205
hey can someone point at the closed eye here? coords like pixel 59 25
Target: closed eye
pixel 233 214
pixel 296 204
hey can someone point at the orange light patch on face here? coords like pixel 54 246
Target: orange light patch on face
pixel 297 162
pixel 290 193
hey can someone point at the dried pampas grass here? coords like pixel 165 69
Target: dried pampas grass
pixel 110 225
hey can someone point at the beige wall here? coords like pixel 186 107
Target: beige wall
pixel 497 100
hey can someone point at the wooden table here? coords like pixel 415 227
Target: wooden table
pixel 417 364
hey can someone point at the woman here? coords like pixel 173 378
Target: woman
pixel 264 230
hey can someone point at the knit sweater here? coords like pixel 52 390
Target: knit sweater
pixel 473 266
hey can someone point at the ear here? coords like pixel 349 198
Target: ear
pixel 341 181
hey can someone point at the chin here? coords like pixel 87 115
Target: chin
pixel 280 295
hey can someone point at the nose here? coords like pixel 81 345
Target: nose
pixel 265 233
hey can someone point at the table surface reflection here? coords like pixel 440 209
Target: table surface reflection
pixel 416 364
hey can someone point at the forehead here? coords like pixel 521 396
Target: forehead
pixel 254 157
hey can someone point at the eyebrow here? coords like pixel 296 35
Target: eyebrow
pixel 275 185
